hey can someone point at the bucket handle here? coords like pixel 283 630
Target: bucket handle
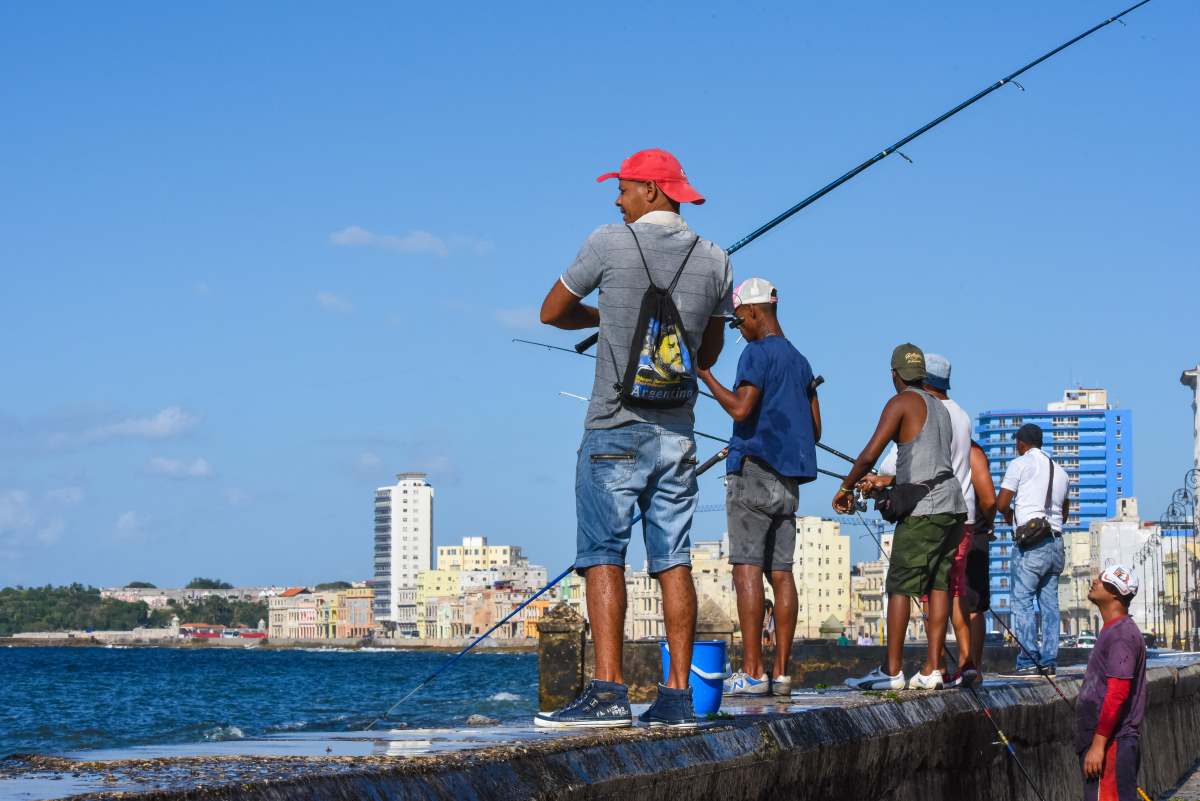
pixel 704 674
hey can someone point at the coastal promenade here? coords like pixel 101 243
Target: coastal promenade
pixel 818 744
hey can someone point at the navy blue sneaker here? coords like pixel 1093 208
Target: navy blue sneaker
pixel 671 708
pixel 602 704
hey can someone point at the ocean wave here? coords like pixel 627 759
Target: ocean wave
pixel 222 733
pixel 505 697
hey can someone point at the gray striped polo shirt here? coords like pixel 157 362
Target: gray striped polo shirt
pixel 609 261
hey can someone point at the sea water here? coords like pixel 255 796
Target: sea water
pixel 54 700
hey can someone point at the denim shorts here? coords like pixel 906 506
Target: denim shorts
pixel 621 471
pixel 760 508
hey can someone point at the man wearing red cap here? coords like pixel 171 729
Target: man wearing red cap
pixel 638 456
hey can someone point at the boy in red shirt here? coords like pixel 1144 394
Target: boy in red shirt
pixel 1112 700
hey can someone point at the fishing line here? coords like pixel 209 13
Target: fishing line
pixel 975 695
pixel 816 382
pixel 446 664
pixel 887 151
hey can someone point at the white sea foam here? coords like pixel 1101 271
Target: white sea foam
pixel 222 733
pixel 505 697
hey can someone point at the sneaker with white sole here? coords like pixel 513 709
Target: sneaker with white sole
pixel 742 683
pixel 781 685
pixel 602 704
pixel 877 679
pixel 920 681
pixel 966 676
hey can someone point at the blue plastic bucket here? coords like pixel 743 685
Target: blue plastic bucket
pixel 707 675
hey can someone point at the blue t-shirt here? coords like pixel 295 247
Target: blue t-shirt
pixel 780 429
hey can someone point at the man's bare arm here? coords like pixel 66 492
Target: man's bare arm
pixel 1004 504
pixel 711 343
pixel 985 490
pixel 739 403
pixel 562 309
pixel 815 405
pixel 886 431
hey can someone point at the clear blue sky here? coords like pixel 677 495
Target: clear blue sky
pixel 259 257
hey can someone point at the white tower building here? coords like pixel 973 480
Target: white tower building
pixel 1191 378
pixel 403 548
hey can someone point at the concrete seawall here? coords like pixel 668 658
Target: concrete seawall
pixel 901 747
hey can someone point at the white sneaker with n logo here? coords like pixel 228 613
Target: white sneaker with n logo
pixel 877 680
pixel 741 683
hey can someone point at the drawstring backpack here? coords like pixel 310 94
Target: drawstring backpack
pixel 659 372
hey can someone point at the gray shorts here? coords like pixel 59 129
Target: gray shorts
pixel 761 506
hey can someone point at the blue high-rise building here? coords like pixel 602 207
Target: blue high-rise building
pixel 1086 437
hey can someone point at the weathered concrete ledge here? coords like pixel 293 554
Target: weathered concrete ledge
pixel 900 747
pixel 566 657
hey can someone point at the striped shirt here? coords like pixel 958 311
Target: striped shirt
pixel 609 261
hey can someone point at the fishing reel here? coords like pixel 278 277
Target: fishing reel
pixel 860 500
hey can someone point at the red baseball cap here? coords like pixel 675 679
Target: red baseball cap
pixel 662 168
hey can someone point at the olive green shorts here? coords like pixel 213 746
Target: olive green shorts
pixel 922 551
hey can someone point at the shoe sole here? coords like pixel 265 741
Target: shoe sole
pixel 590 724
pixel 874 686
pixel 654 724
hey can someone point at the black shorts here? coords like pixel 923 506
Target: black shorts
pixel 978 590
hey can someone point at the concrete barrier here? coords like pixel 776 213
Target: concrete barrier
pixel 566 659
pixel 907 747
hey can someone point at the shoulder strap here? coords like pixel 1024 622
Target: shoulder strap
pixel 1049 485
pixel 646 267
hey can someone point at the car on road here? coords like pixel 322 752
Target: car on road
pixel 1085 641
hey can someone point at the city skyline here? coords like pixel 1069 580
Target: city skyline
pixel 245 290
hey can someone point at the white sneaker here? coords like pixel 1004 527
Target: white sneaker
pixel 877 680
pixel 781 685
pixel 741 683
pixel 920 681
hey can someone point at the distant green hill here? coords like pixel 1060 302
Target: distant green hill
pixel 78 607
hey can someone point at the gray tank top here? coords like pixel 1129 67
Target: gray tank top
pixel 927 455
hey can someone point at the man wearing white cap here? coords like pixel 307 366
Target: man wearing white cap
pixel 776 425
pixel 1112 700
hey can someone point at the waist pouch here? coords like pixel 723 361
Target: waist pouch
pixel 899 500
pixel 1029 534
pixel 1032 532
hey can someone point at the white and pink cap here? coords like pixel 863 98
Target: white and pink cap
pixel 755 290
pixel 1121 578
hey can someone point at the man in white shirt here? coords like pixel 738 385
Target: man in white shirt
pixel 1035 570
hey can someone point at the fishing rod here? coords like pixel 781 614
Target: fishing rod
pixel 721 454
pixel 987 712
pixel 816 382
pixel 887 151
pixel 554 581
pixel 712 460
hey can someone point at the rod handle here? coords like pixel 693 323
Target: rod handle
pixel 712 460
pixel 582 345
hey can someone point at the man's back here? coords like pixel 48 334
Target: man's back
pixel 609 261
pixel 1026 476
pixel 928 455
pixel 780 430
pixel 960 454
